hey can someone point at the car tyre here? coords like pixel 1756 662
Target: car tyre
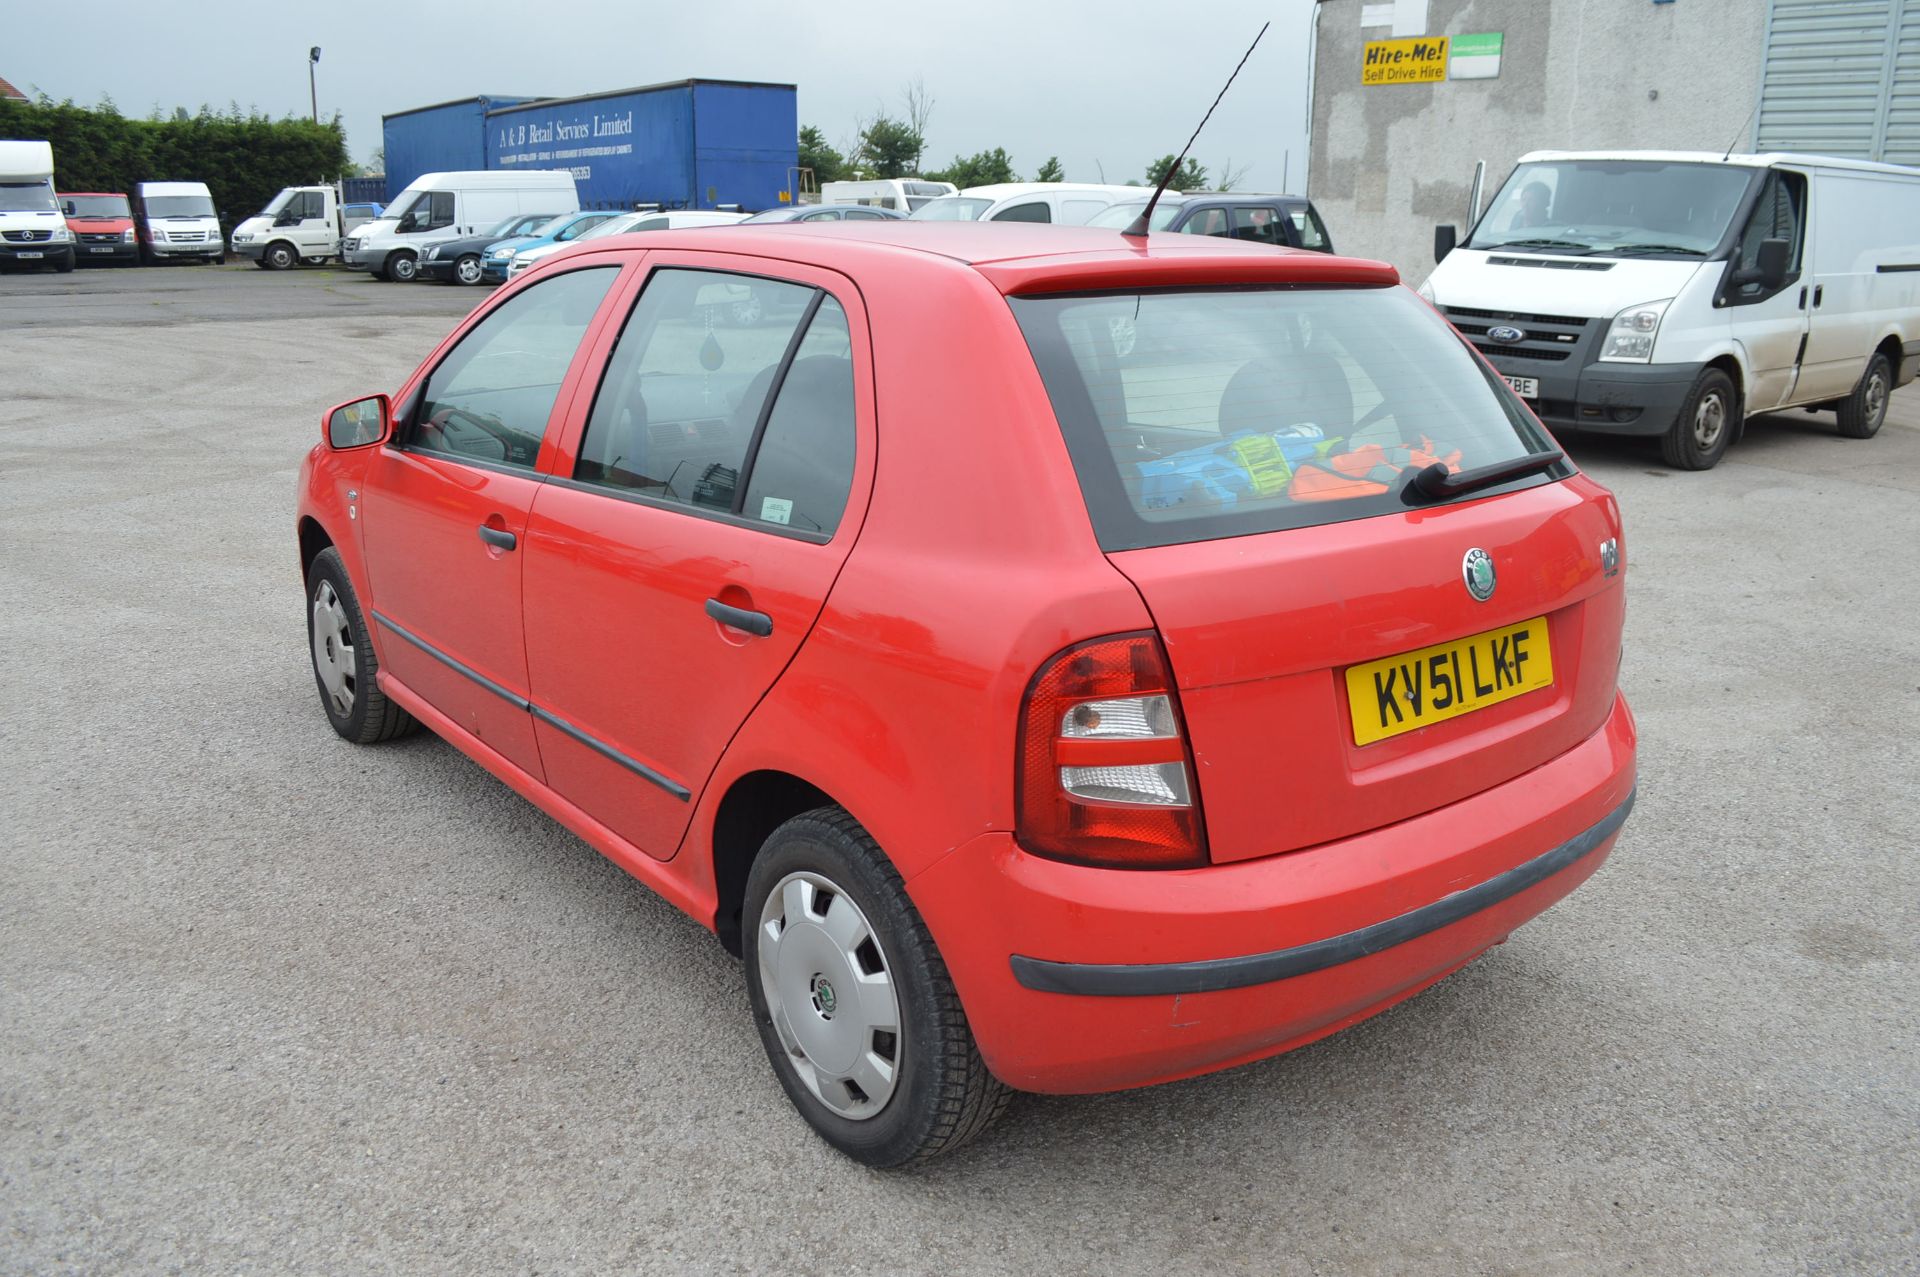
pixel 402 268
pixel 279 256
pixel 857 927
pixel 345 668
pixel 1706 423
pixel 467 269
pixel 1862 412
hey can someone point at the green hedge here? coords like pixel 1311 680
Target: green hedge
pixel 243 159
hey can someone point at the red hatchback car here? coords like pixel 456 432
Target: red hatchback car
pixel 1052 661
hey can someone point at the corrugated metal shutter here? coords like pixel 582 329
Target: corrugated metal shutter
pixel 1842 77
pixel 1903 102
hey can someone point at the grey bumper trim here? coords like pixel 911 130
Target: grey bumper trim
pixel 1120 980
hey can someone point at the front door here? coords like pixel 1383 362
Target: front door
pixel 1771 324
pixel 445 507
pixel 315 231
pixel 707 507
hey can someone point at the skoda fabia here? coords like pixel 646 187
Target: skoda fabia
pixel 1051 660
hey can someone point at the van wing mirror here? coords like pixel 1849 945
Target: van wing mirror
pixel 358 424
pixel 1445 236
pixel 1773 261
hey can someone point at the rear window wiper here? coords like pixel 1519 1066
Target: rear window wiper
pixel 1621 250
pixel 1437 483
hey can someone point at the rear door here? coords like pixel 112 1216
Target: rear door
pixel 444 507
pixel 1346 657
pixel 710 488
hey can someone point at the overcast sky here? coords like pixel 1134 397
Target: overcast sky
pixel 1101 85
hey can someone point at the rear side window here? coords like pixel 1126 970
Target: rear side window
pixel 489 400
pixel 1306 225
pixel 1260 224
pixel 731 394
pixel 1033 212
pixel 1204 414
pixel 1208 221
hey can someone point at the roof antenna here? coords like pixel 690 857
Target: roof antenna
pixel 1139 226
pixel 1742 133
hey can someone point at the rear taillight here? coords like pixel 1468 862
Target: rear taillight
pixel 1105 777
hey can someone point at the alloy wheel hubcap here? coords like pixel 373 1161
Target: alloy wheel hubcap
pixel 469 271
pixel 1709 419
pixel 1876 398
pixel 334 657
pixel 830 994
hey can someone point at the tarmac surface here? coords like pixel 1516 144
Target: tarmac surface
pixel 273 1003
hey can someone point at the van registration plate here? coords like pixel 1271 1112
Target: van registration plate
pixel 1418 689
pixel 1525 387
pixel 35 253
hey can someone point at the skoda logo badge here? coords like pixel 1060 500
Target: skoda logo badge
pixel 1477 571
pixel 1506 334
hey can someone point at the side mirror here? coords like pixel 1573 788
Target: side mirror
pixel 67 208
pixel 1771 265
pixel 408 222
pixel 1444 238
pixel 358 424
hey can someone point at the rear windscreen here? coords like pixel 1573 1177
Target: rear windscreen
pixel 1193 415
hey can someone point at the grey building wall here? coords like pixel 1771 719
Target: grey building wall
pixel 1388 162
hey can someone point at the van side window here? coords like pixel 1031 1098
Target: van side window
pixel 1779 213
pixel 1261 225
pixel 1208 221
pixel 489 399
pixel 801 472
pixel 684 389
pixel 1035 211
pixel 440 213
pixel 312 205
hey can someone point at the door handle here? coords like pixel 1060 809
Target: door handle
pixel 758 624
pixel 1803 297
pixel 498 538
pixel 1818 289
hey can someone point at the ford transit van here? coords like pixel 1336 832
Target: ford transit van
pixel 447 206
pixel 176 220
pixel 1676 294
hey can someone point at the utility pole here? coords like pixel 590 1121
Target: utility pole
pixel 313 59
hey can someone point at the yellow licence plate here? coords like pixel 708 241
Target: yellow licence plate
pixel 1417 689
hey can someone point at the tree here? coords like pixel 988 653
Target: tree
pixel 1051 171
pixel 1191 177
pixel 919 107
pixel 377 162
pixel 981 169
pixel 888 148
pixel 1229 176
pixel 827 164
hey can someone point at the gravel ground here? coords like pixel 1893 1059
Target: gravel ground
pixel 271 1003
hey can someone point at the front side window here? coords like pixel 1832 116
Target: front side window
pixel 1036 211
pixel 690 399
pixel 581 227
pixel 489 399
pixel 313 206
pixel 1203 414
pixel 1208 221
pixel 440 210
pixel 1777 214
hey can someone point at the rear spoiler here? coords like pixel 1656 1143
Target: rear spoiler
pixel 1160 266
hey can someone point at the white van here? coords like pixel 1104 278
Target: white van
pixel 1677 294
pixel 300 224
pixel 1070 205
pixel 32 231
pixel 902 194
pixel 444 206
pixel 644 220
pixel 176 219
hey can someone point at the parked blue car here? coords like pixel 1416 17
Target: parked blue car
pixel 561 230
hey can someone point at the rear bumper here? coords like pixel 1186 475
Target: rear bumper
pixel 1078 979
pixel 1624 399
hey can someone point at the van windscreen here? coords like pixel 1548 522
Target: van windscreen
pixel 1195 415
pixel 27 197
pixel 179 206
pixel 1615 208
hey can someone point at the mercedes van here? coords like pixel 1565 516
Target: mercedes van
pixel 32 231
pixel 447 206
pixel 1676 294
